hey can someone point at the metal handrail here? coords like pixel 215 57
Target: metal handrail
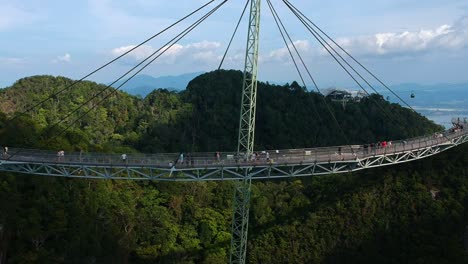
pixel 288 156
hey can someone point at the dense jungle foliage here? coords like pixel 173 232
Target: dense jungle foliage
pixel 385 215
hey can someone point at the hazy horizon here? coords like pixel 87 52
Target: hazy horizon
pixel 407 41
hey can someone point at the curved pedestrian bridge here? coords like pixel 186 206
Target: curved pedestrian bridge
pixel 228 165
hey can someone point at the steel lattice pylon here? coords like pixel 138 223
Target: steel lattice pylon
pixel 242 168
pixel 241 201
pixel 240 222
pixel 249 86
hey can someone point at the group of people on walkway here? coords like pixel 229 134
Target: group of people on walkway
pixel 188 159
pixel 379 145
pixel 258 156
pixel 457 127
pixel 182 159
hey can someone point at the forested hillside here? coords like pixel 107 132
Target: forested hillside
pixel 379 216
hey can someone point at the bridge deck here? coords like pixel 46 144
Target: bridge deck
pixel 206 166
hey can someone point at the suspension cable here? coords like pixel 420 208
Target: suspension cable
pixel 351 56
pixel 233 35
pixel 110 62
pixel 290 53
pixel 287 45
pixel 174 41
pixel 128 72
pixel 279 22
pixel 341 57
pixel 329 49
pixel 275 15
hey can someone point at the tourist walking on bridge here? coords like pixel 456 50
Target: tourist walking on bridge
pixel 365 149
pixel 188 159
pixel 60 155
pixel 181 158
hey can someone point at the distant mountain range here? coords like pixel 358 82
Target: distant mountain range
pixel 145 84
pixel 425 96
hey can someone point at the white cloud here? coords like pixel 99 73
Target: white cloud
pixel 234 60
pixel 200 51
pixel 205 56
pixel 205 45
pixel 138 54
pixel 445 37
pixel 282 55
pixel 65 58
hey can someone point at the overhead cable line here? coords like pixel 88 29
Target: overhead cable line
pixel 112 61
pixel 286 43
pixel 387 113
pixel 351 56
pixel 165 47
pixel 233 35
pixel 279 22
pixel 341 57
pixel 290 53
pixel 275 15
pixel 329 49
pixel 128 72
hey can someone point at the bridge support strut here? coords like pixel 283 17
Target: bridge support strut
pixel 241 202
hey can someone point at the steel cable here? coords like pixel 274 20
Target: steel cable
pixel 233 35
pixel 174 41
pixel 110 62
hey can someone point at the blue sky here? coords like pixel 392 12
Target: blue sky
pixel 400 40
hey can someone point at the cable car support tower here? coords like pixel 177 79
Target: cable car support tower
pixel 241 201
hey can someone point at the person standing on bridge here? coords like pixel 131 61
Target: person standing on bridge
pixel 187 160
pixel 124 158
pixel 181 158
pixel 365 148
pixel 253 157
pixel 60 155
pixel 5 151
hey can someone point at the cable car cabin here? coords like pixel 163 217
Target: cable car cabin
pixel 412 95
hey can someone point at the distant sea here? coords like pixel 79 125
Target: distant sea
pixel 442 116
pixel 439 103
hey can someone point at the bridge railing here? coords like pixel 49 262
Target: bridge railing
pixel 210 159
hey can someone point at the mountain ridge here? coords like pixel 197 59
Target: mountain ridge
pixel 144 84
